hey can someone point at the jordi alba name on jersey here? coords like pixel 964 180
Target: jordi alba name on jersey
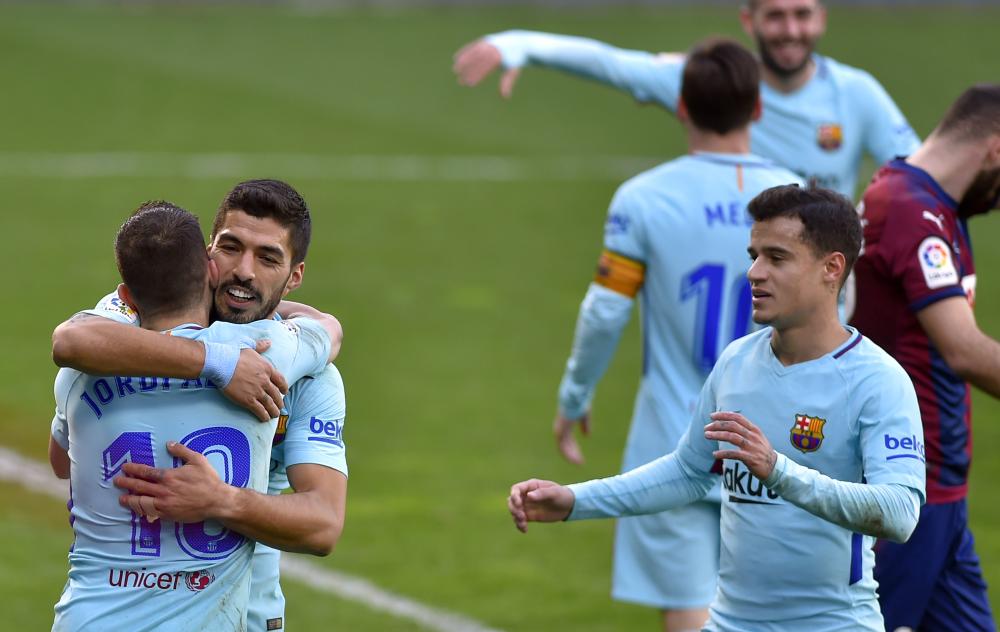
pixel 851 415
pixel 127 572
pixel 685 223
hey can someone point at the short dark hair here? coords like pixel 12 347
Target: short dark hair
pixel 272 199
pixel 975 114
pixel 161 257
pixel 829 221
pixel 720 86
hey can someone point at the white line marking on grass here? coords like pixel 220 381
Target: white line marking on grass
pixel 362 590
pixel 354 167
pixel 37 477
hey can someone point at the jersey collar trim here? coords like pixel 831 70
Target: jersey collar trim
pixel 926 179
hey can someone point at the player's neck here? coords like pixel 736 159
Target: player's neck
pixel 735 142
pixel 952 165
pixel 810 340
pixel 786 84
pixel 165 321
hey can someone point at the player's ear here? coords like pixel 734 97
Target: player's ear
pixel 993 152
pixel 834 267
pixel 758 110
pixel 821 18
pixel 682 111
pixel 295 278
pixel 213 274
pixel 126 296
pixel 746 20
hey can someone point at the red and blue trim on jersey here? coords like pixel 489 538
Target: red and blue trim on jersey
pixel 902 208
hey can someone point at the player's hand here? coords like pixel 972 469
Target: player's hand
pixel 752 447
pixel 566 442
pixel 539 501
pixel 256 384
pixel 476 60
pixel 190 493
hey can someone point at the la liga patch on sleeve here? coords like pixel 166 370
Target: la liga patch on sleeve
pixel 937 263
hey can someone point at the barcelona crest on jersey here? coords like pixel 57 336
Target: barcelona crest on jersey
pixel 830 136
pixel 279 432
pixel 807 433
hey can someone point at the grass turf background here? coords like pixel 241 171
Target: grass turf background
pixel 458 297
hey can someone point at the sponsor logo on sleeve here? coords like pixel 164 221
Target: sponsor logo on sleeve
pixel 936 263
pixel 291 326
pixel 807 433
pixel 327 431
pixel 904 448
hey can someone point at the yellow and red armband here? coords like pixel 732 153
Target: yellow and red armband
pixel 620 274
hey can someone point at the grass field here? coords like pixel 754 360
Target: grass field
pixel 457 283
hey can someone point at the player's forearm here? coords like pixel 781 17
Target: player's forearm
pixel 662 484
pixel 291 309
pixel 979 363
pixel 887 511
pixel 100 346
pixel 628 70
pixel 302 522
pixel 58 459
pixel 603 316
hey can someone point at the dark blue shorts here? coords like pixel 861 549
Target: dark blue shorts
pixel 933 582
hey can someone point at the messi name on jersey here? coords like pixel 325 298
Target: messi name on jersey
pixel 807 433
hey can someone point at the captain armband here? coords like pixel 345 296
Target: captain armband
pixel 620 274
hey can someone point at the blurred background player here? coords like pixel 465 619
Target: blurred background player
pixel 675 236
pixel 260 238
pixel 808 402
pixel 916 285
pixel 197 575
pixel 820 116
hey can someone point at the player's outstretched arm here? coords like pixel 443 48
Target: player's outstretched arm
pixel 647 77
pixel 308 521
pixel 951 326
pixel 291 309
pixel 538 501
pixel 100 346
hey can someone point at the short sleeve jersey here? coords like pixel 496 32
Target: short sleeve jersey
pixel 686 223
pixel 851 415
pixel 168 575
pixel 917 251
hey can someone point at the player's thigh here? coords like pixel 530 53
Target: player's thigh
pixel 668 560
pixel 960 602
pixel 908 572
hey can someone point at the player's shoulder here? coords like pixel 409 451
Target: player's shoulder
pixel 864 362
pixel 327 381
pixel 652 180
pixel 846 75
pixel 745 347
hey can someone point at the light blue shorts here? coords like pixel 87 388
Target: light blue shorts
pixel 668 560
pixel 267 603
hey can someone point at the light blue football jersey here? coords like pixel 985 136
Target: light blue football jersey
pixel 310 430
pixel 821 131
pixel 851 415
pixel 130 573
pixel 686 220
